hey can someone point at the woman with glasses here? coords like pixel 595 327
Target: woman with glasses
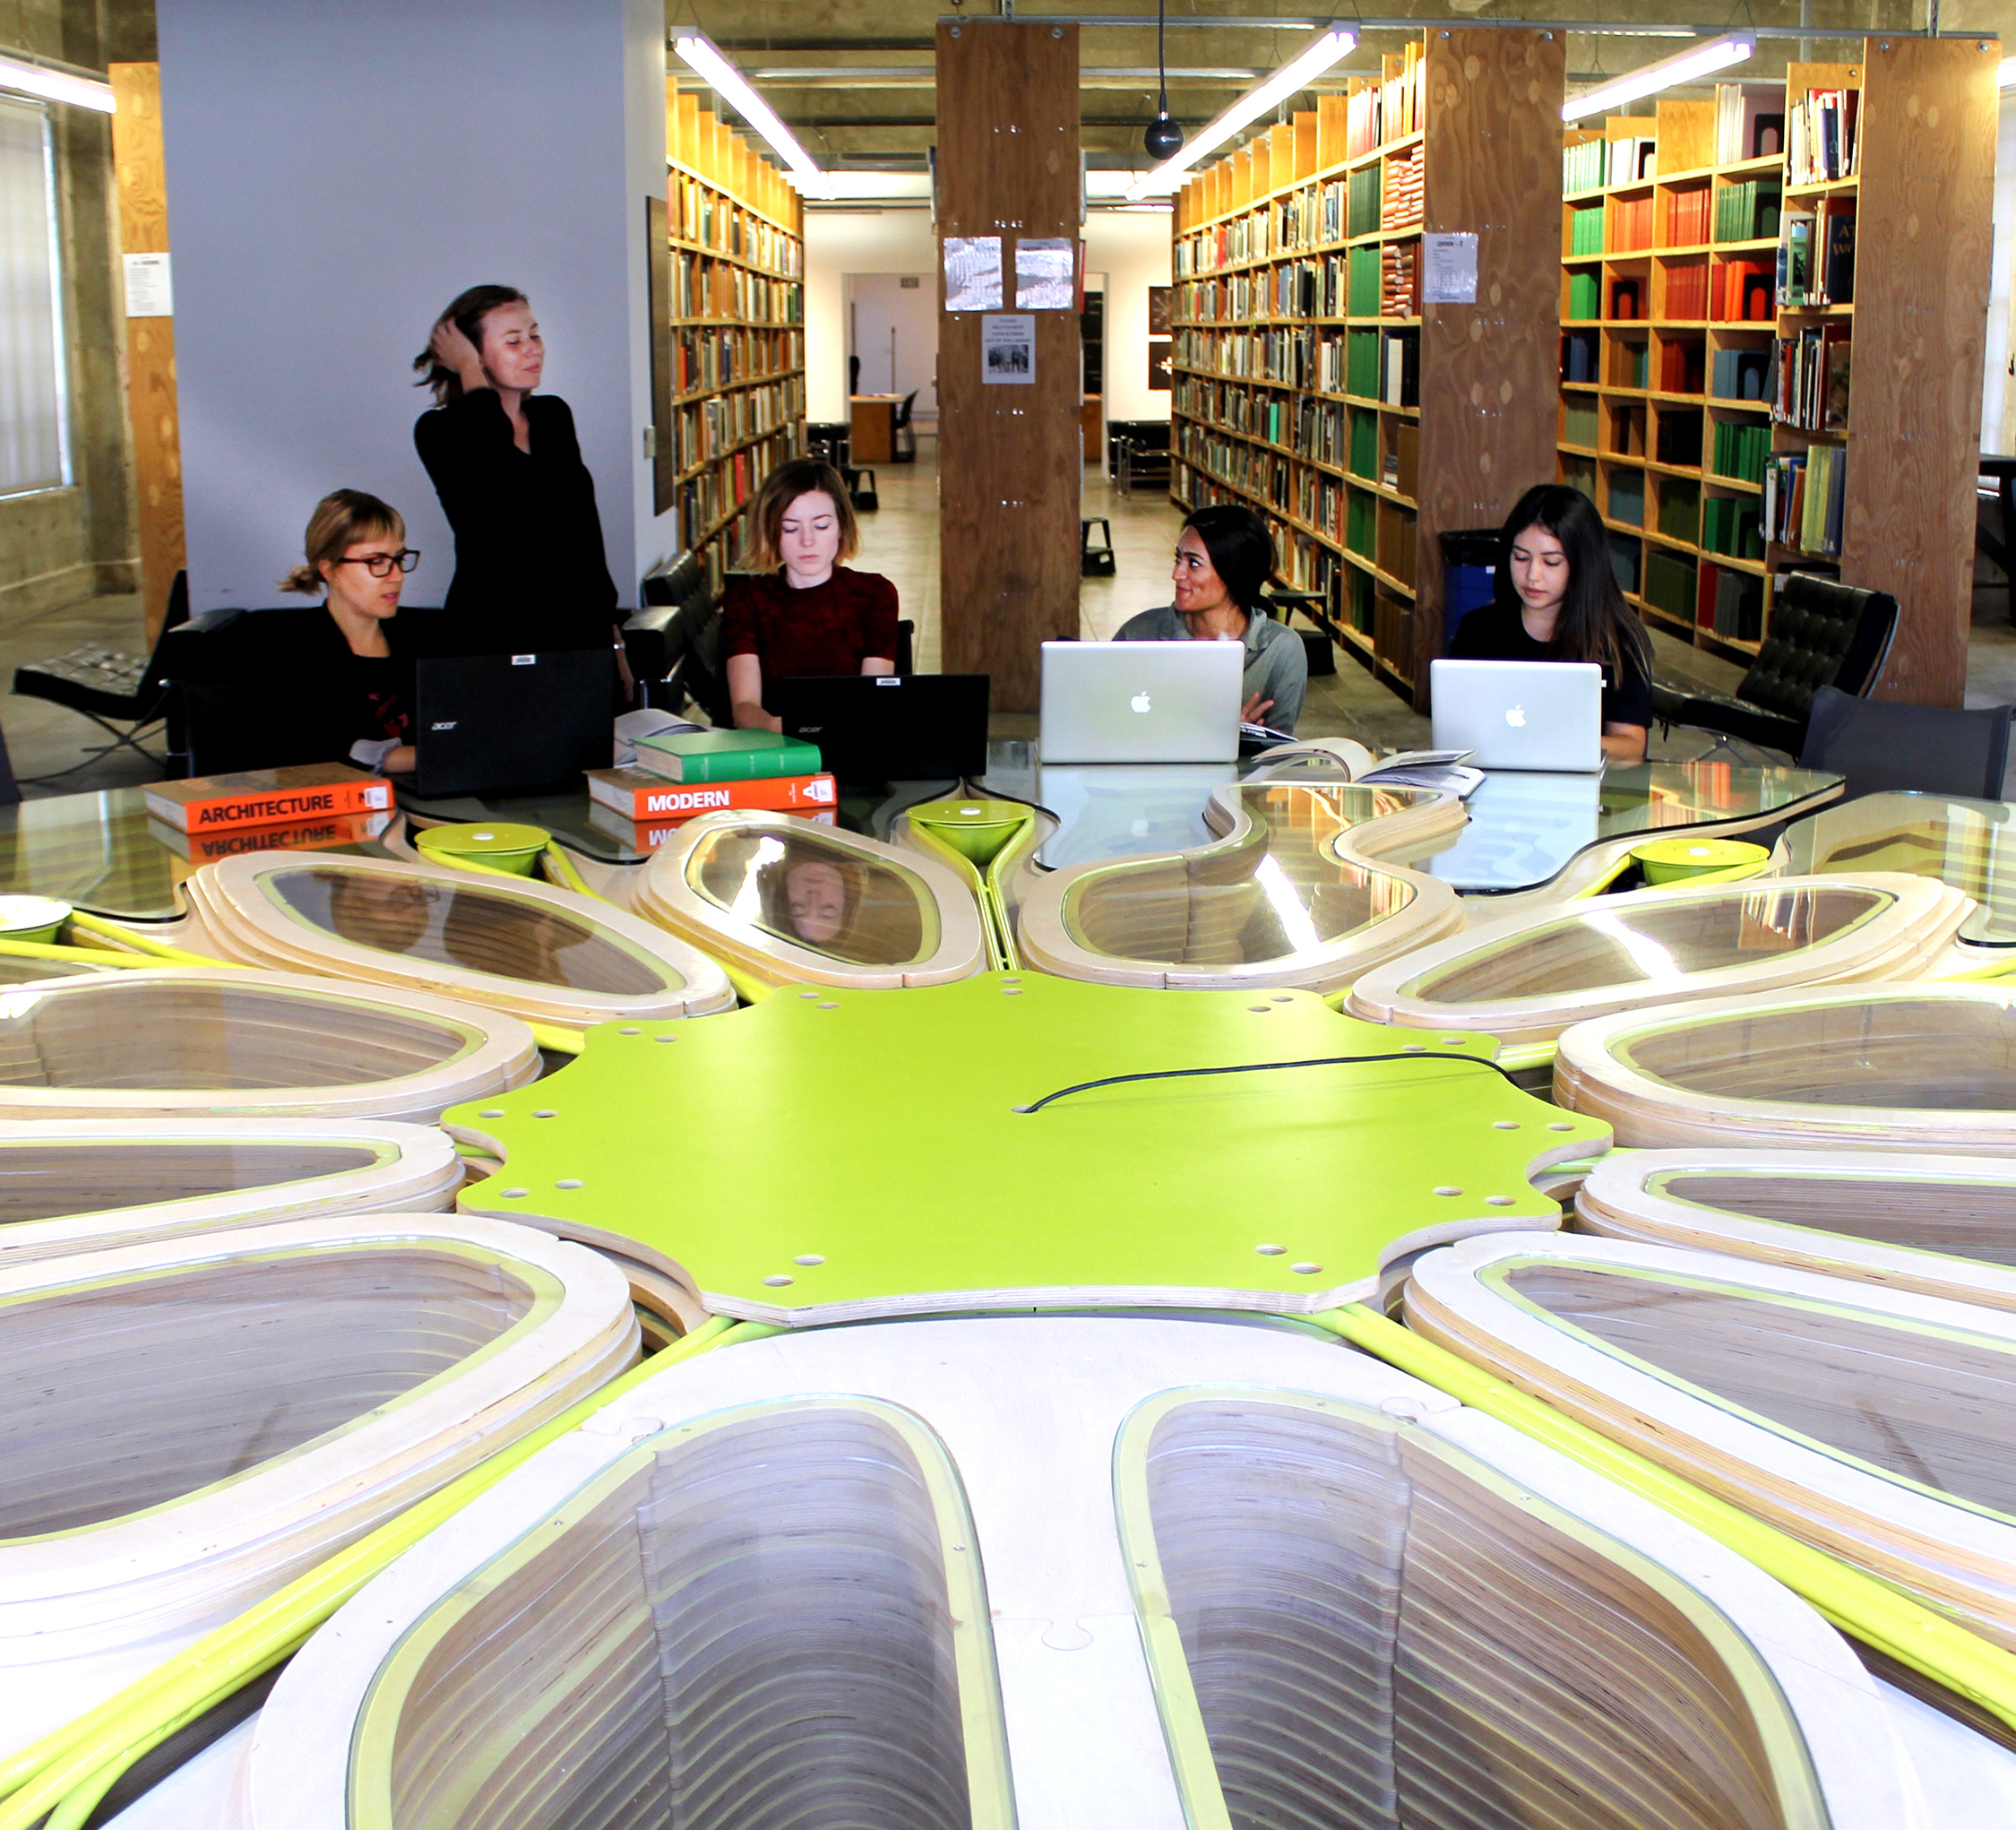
pixel 529 568
pixel 347 679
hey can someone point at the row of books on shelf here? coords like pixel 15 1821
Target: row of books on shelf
pixel 1399 280
pixel 1371 364
pixel 1732 525
pixel 703 288
pixel 713 359
pixel 708 498
pixel 1631 224
pixel 1730 604
pixel 1749 121
pixel 707 428
pixel 1323 431
pixel 1812 379
pixel 1822 136
pixel 1688 215
pixel 1740 375
pixel 1747 211
pixel 1741 450
pixel 1804 493
pixel 1816 257
pixel 1400 204
pixel 1390 110
pixel 1585 228
pixel 1594 164
pixel 698 213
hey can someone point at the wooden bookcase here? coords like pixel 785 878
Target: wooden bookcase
pixel 733 407
pixel 1310 380
pixel 1680 530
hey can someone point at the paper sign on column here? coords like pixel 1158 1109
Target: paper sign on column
pixel 150 291
pixel 972 272
pixel 1047 275
pixel 1008 349
pixel 1449 270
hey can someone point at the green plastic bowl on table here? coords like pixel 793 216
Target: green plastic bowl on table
pixel 495 843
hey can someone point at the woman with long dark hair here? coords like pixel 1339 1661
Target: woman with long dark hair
pixel 1555 598
pixel 529 569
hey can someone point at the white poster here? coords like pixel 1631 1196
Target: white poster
pixel 1046 275
pixel 1008 350
pixel 150 291
pixel 972 272
pixel 1449 270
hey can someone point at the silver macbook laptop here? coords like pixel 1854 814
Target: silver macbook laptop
pixel 1521 715
pixel 1141 702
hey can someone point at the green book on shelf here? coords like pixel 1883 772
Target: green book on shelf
pixel 1365 283
pixel 1361 364
pixel 725 756
pixel 1364 446
pixel 1585 295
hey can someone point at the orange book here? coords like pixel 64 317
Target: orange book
pixel 639 795
pixel 268 797
pixel 648 835
pixel 241 841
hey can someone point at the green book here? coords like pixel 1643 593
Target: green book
pixel 725 756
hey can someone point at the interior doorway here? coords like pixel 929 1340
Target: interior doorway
pixel 893 341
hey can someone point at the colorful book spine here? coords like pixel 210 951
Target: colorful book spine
pixel 191 810
pixel 638 795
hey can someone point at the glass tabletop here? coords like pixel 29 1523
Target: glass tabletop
pixel 1967 844
pixel 102 853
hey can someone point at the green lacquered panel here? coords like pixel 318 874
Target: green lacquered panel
pixel 878 1137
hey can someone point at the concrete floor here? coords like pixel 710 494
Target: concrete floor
pixel 900 540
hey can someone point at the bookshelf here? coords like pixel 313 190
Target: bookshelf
pixel 1310 380
pixel 1693 411
pixel 730 370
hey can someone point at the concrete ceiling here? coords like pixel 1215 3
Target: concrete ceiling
pixel 853 78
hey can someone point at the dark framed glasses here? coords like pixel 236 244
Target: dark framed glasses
pixel 380 564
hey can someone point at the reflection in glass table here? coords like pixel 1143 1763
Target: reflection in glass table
pixel 1970 844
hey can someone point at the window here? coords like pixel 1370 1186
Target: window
pixel 34 445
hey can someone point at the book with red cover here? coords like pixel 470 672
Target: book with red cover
pixel 648 835
pixel 639 795
pixel 268 797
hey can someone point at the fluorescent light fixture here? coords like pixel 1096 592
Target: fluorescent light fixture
pixel 728 82
pixel 2006 75
pixel 55 85
pixel 1703 59
pixel 1329 46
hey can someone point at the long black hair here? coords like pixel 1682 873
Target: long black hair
pixel 1242 549
pixel 1595 624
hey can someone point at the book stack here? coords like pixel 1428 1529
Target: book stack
pixel 1687 291
pixel 1634 224
pixel 1742 451
pixel 1585 229
pixel 1739 374
pixel 1578 356
pixel 1834 254
pixel 679 775
pixel 1812 379
pixel 1749 292
pixel 1585 297
pixel 1364 213
pixel 1400 207
pixel 1749 121
pixel 310 793
pixel 1732 604
pixel 1583 166
pixel 1681 368
pixel 1400 289
pixel 1823 139
pixel 1686 217
pixel 1803 498
pixel 1746 212
pixel 1732 525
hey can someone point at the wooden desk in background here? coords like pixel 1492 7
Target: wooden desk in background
pixel 872 428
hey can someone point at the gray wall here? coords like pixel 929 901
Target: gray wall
pixel 336 175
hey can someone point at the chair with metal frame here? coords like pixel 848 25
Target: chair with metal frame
pixel 902 434
pixel 126 695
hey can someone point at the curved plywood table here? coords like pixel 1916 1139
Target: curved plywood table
pixel 1970 844
pixel 1169 1574
pixel 790 903
pixel 88 1183
pixel 547 955
pixel 1872 1423
pixel 1940 1225
pixel 1911 1067
pixel 1291 894
pixel 1526 978
pixel 184 1042
pixel 189 1424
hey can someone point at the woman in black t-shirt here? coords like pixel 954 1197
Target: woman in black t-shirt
pixel 1555 598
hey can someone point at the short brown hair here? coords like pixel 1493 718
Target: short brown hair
pixel 341 518
pixel 468 311
pixel 799 477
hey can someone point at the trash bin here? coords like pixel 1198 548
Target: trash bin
pixel 1469 559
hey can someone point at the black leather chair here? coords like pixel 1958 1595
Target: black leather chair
pixel 1822 632
pixel 1882 747
pixel 902 446
pixel 126 695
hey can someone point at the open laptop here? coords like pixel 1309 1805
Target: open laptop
pixel 1521 715
pixel 511 723
pixel 1141 702
pixel 888 727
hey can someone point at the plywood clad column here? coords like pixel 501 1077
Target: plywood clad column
pixel 1010 463
pixel 1490 372
pixel 150 402
pixel 1923 234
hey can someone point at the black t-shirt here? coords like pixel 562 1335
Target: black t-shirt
pixel 1496 632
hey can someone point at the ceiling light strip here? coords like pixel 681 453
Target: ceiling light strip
pixel 1685 66
pixel 28 78
pixel 1329 46
pixel 728 84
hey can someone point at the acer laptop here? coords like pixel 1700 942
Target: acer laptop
pixel 511 723
pixel 1521 715
pixel 888 727
pixel 1141 702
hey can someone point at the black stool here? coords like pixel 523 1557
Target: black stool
pixel 1095 562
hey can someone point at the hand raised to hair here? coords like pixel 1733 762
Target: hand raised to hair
pixel 454 352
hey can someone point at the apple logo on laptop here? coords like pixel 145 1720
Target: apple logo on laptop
pixel 1140 701
pixel 1516 717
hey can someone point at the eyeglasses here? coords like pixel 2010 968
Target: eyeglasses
pixel 382 563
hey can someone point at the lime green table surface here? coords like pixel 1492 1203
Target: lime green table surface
pixel 832 1155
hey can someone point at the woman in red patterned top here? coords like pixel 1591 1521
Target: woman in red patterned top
pixel 808 613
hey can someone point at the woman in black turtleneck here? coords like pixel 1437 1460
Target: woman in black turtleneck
pixel 530 570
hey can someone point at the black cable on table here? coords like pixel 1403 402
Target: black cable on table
pixel 1269 1067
